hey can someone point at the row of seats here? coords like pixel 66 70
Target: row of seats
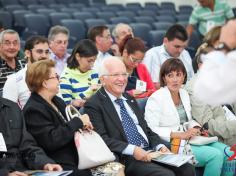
pixel 17 17
pixel 93 10
pixel 46 2
pixel 152 37
pixel 112 7
pixel 96 3
pixel 149 22
pixel 78 28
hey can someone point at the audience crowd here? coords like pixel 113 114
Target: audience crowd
pixel 108 76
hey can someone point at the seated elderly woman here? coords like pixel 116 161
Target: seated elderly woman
pixel 78 81
pixel 169 107
pixel 46 119
pixel 139 82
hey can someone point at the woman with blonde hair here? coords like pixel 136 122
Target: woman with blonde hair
pixel 212 37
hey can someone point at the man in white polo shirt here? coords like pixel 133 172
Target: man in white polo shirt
pixel 173 46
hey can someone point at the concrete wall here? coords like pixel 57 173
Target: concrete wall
pixel 177 2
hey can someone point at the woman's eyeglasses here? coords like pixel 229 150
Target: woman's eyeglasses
pixel 134 60
pixel 53 77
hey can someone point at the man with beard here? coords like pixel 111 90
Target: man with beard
pixel 15 88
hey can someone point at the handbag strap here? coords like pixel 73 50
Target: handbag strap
pixel 72 112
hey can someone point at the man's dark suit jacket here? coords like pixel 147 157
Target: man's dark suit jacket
pixel 106 122
pixel 22 150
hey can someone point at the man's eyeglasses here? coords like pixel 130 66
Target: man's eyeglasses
pixel 8 43
pixel 59 42
pixel 107 37
pixel 41 51
pixel 53 77
pixel 116 75
pixel 134 60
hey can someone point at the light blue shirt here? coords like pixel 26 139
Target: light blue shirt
pixel 61 63
pixel 156 56
pixel 129 150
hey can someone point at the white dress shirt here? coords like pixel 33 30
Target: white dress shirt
pixel 156 56
pixel 100 57
pixel 129 150
pixel 16 89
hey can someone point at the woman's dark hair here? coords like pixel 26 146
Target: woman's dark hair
pixel 85 48
pixel 172 64
pixel 132 44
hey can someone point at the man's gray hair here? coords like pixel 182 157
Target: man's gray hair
pixel 103 68
pixel 115 32
pixel 57 30
pixel 9 31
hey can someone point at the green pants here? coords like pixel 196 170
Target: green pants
pixel 213 158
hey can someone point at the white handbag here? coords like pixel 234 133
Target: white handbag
pixel 202 140
pixel 198 140
pixel 92 150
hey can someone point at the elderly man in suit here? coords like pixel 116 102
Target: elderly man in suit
pixel 118 119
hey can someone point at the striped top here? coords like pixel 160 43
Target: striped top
pixel 76 85
pixel 5 70
pixel 206 19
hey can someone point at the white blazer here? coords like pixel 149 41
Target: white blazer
pixel 161 114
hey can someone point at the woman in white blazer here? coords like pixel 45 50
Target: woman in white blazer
pixel 169 107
